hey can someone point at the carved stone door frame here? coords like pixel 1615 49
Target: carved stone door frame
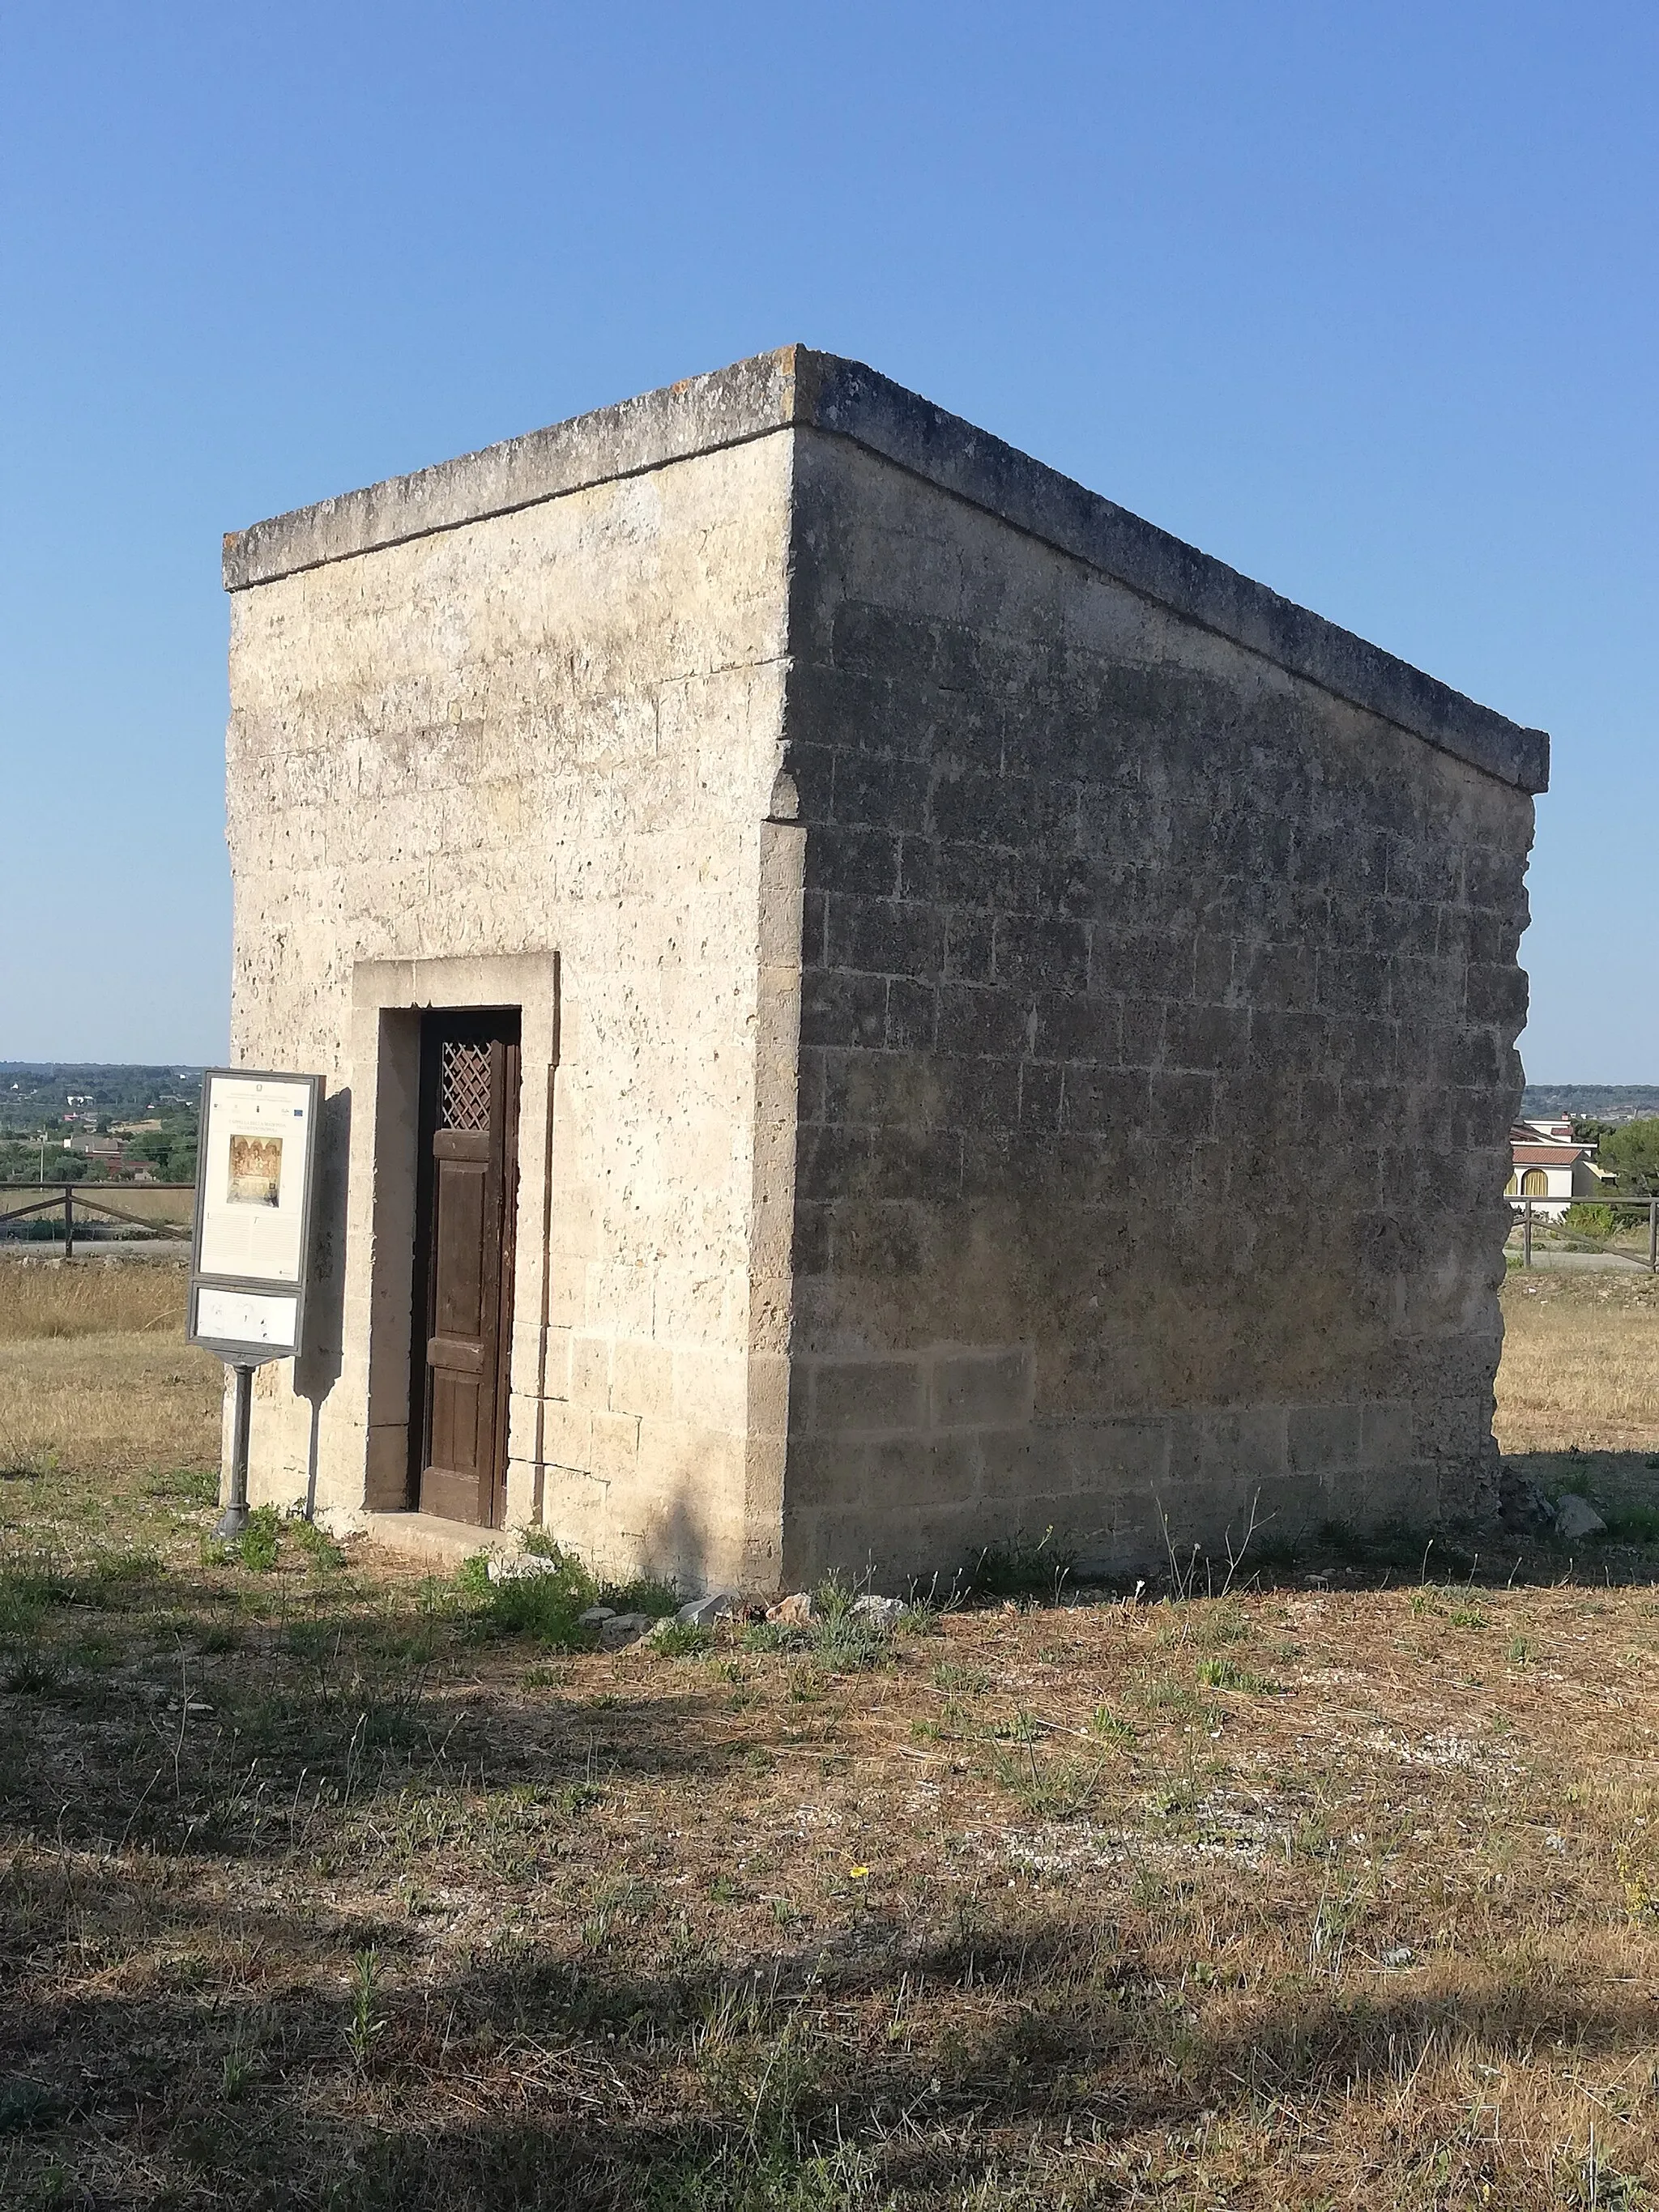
pixel 378 1400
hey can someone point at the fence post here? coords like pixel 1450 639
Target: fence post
pixel 1526 1232
pixel 69 1220
pixel 1653 1236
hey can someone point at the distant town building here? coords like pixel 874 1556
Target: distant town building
pixel 1552 1166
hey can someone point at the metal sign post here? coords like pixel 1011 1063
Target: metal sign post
pixel 251 1237
pixel 232 1522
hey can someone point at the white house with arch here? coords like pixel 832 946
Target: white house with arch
pixel 1552 1166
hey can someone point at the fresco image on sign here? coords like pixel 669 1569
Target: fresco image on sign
pixel 256 1171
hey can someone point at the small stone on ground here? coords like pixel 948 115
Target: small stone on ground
pixel 1576 1516
pixel 1522 1502
pixel 704 1612
pixel 877 1612
pixel 519 1566
pixel 623 1628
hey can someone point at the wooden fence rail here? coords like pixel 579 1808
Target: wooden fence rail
pixel 52 1198
pixel 1649 1206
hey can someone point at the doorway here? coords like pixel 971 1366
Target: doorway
pixel 467 1202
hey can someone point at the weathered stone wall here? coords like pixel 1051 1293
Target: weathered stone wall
pixel 1034 1010
pixel 549 731
pixel 1157 1062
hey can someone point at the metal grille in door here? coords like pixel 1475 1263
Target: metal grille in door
pixel 463 1087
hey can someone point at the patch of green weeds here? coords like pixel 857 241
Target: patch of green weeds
pixel 1167 1697
pixel 1275 1554
pixel 25 2104
pixel 1632 1524
pixel 844 1640
pixel 1111 1727
pixel 368 2019
pixel 108 1582
pixel 1393 1543
pixel 1312 1837
pixel 236 2069
pixel 1173 1803
pixel 1025 1567
pixel 848 1643
pixel 1452 1603
pixel 646 1595
pixel 259 1544
pixel 736 2166
pixel 320 1547
pixel 187 1485
pixel 1218 1674
pixel 838 1639
pixel 548 1606
pixel 32 1675
pixel 1059 1789
pixel 20 1612
pixel 1639 1885
pixel 777 1636
pixel 681 1639
pixel 1215 1625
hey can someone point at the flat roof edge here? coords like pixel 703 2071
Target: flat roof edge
pixel 729 407
pixel 798 387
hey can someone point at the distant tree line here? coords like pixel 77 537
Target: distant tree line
pixel 169 1151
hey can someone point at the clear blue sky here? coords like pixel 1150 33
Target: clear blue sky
pixel 1360 297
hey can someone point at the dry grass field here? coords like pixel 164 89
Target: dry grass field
pixel 1580 1364
pixel 96 1381
pixel 328 1885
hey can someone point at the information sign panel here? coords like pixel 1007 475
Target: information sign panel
pixel 257 1161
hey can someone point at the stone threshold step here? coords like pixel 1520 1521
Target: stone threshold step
pixel 424 1536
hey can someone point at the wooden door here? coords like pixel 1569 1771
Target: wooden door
pixel 467 1202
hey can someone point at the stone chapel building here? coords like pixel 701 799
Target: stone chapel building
pixel 870 1001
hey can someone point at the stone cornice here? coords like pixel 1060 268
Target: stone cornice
pixel 797 388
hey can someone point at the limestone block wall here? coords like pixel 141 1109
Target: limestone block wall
pixel 1018 1020
pixel 1158 1008
pixel 552 731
